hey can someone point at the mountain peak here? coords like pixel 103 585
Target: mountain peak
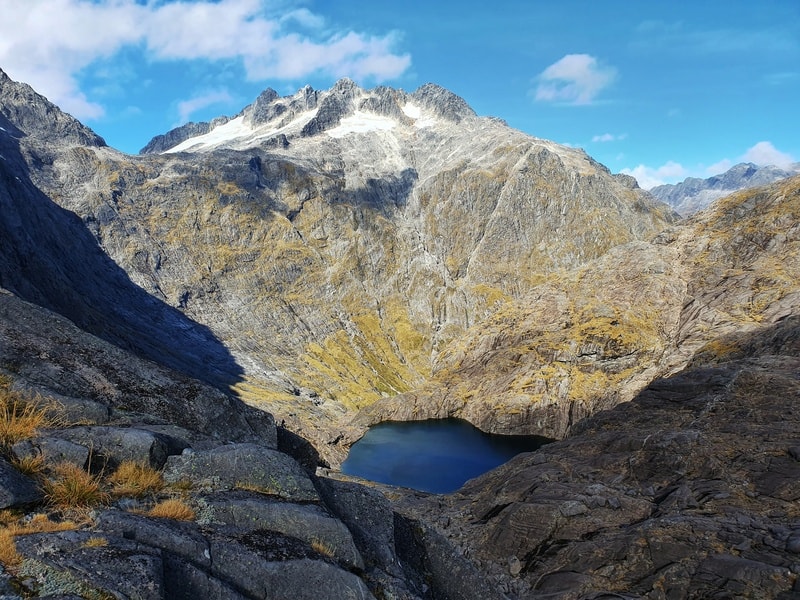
pixel 444 102
pixel 694 194
pixel 34 115
pixel 274 121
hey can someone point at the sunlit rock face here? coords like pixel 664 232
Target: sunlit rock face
pixel 338 242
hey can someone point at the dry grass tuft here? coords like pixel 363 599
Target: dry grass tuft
pixel 31 465
pixel 173 509
pixel 322 548
pixel 73 487
pixel 9 556
pixel 39 523
pixel 20 419
pixel 95 542
pixel 135 479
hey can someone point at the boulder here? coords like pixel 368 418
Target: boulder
pixel 368 515
pixel 88 565
pixel 309 523
pixel 271 566
pixel 181 539
pixel 15 488
pixel 54 449
pixel 113 445
pixel 247 466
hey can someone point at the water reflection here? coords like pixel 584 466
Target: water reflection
pixel 437 455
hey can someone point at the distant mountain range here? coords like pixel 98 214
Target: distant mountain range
pixel 694 194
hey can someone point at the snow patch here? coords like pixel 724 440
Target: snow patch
pixel 362 122
pixel 412 110
pixel 421 119
pixel 232 130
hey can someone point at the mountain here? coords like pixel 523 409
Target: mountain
pixel 694 194
pixel 336 243
pixel 347 256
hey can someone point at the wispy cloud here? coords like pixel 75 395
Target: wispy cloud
pixel 609 137
pixel 48 42
pixel 188 107
pixel 682 38
pixel 764 153
pixel 650 177
pixel 574 79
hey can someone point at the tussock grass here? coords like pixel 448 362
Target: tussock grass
pixel 95 542
pixel 173 509
pixel 71 486
pixel 135 479
pixel 32 464
pixel 20 418
pixel 322 548
pixel 39 523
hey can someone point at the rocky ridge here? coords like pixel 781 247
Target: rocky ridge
pixel 694 194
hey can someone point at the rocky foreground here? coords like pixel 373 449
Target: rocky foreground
pixel 254 520
pixel 689 491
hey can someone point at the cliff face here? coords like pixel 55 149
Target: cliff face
pixel 593 337
pixel 337 243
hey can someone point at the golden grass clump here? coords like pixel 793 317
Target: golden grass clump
pixel 20 418
pixel 322 548
pixel 73 487
pixel 30 464
pixel 135 479
pixel 95 542
pixel 173 509
pixel 39 523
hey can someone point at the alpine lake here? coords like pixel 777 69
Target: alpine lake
pixel 437 455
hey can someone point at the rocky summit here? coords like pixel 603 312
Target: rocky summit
pixel 332 259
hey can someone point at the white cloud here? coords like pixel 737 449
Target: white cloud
pixel 650 177
pixel 609 137
pixel 574 79
pixel 719 167
pixel 46 43
pixel 764 153
pixel 304 17
pixel 187 107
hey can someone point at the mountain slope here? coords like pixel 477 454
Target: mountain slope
pixel 337 242
pixel 49 256
pixel 590 338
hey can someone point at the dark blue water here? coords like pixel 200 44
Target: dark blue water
pixel 433 456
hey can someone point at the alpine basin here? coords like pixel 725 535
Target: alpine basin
pixel 437 455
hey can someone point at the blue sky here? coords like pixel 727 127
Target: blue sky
pixel 659 89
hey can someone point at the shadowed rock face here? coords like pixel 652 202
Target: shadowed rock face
pixel 50 257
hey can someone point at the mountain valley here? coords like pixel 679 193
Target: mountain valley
pixel 334 259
